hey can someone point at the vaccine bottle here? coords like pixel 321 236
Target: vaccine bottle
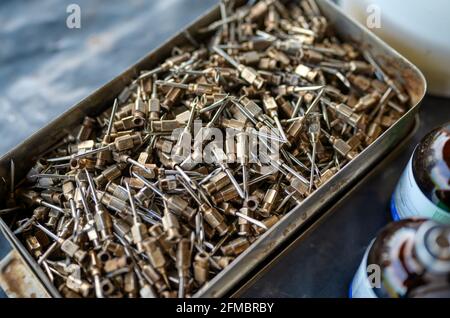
pixel 408 259
pixel 424 188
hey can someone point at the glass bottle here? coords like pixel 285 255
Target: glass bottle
pixel 424 188
pixel 408 259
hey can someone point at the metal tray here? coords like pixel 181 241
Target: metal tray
pixel 301 216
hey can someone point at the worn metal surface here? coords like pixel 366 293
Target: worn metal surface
pixel 27 260
pixel 5 248
pixel 221 284
pixel 17 280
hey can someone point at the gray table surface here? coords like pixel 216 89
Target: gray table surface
pixel 47 67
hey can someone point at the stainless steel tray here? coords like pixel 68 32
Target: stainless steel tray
pixel 29 150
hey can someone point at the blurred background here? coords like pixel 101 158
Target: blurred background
pixel 46 67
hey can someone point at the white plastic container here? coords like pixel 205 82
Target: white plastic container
pixel 420 30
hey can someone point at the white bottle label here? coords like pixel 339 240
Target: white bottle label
pixel 409 201
pixel 361 287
